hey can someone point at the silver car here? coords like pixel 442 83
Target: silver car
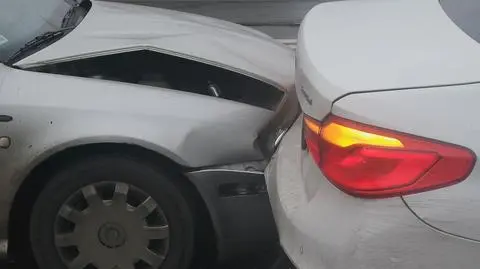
pixel 134 137
pixel 380 171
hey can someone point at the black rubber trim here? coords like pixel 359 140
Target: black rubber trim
pixel 5 118
pixel 244 225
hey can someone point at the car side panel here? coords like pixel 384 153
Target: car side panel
pixel 53 112
pixel 446 114
pixel 320 227
pixel 314 102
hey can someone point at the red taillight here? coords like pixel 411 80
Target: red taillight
pixel 371 162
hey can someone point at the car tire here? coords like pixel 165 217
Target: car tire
pixel 142 220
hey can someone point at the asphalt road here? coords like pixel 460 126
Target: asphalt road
pixel 278 18
pixel 273 262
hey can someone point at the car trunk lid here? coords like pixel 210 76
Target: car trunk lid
pixel 360 46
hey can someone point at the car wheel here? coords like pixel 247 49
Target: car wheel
pixel 112 212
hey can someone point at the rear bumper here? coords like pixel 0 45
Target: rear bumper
pixel 321 227
pixel 239 207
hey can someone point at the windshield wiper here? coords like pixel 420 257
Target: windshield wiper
pixel 37 42
pixel 66 21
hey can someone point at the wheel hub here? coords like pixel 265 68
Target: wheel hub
pixel 111 232
pixel 112 235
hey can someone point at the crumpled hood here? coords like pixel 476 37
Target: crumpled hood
pixel 357 46
pixel 111 27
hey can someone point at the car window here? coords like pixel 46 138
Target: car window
pixel 23 20
pixel 466 14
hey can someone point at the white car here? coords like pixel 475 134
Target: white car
pixel 380 171
pixel 134 137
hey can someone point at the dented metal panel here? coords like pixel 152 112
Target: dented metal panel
pixel 54 112
pixel 112 28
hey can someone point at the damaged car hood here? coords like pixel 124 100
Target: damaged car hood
pixel 111 28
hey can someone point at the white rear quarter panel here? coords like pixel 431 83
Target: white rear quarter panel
pixel 447 114
pixel 321 227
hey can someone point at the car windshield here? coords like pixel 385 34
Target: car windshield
pixel 21 21
pixel 466 14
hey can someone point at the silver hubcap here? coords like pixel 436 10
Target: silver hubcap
pixel 111 225
pixel 112 235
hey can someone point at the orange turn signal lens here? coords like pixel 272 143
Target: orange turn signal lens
pixel 371 162
pixel 313 126
pixel 343 136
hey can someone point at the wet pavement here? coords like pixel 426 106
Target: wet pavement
pixel 275 260
pixel 278 18
pixel 280 264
